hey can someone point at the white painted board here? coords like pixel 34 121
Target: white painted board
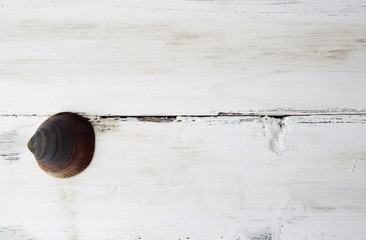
pixel 180 57
pixel 202 173
pixel 193 178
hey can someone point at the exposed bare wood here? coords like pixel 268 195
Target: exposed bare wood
pixel 220 119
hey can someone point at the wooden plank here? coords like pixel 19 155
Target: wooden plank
pixel 181 57
pixel 193 178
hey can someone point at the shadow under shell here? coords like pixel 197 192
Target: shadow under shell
pixel 63 145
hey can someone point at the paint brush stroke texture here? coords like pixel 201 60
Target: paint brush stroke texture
pixel 170 87
pixel 226 177
pixel 181 57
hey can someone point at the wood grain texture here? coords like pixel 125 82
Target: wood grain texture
pixel 182 57
pixel 193 178
pixel 170 87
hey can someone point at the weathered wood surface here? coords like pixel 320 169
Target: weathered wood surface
pixel 202 172
pixel 256 178
pixel 180 57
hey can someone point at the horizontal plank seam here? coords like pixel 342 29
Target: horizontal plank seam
pixel 275 113
pixel 220 114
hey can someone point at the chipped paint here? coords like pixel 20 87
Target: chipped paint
pixel 8 146
pixel 248 177
pixel 205 129
pixel 157 119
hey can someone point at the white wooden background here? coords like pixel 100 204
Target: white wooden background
pixel 221 119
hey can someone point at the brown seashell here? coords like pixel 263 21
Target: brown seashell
pixel 63 145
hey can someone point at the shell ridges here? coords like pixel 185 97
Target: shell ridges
pixel 63 145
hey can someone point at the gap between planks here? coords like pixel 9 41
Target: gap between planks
pixel 274 113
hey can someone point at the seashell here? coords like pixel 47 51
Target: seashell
pixel 63 145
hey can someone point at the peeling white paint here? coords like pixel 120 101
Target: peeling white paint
pixel 276 129
pixel 188 153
